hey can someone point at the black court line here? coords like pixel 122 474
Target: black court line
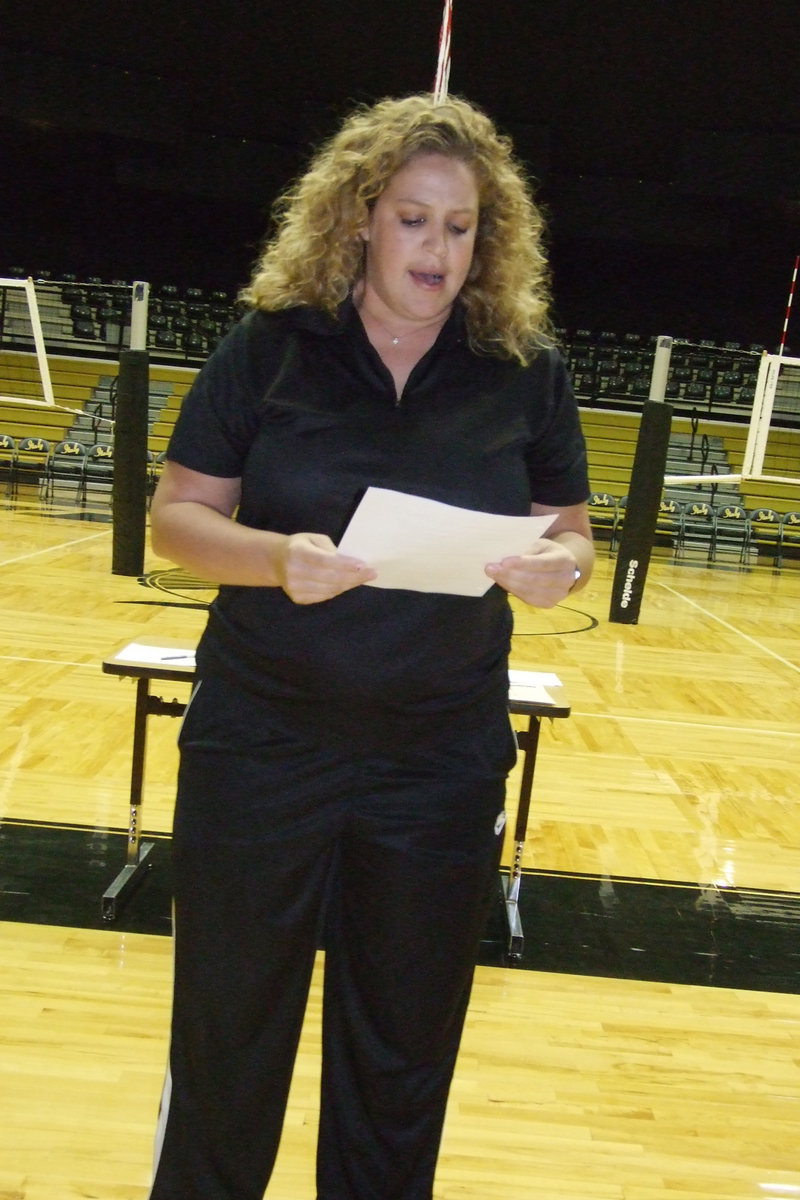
pixel 670 932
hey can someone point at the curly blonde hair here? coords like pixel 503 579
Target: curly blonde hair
pixel 316 255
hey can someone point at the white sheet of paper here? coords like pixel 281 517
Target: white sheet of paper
pixel 139 653
pixel 426 546
pixel 532 685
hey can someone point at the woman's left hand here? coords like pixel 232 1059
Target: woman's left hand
pixel 543 577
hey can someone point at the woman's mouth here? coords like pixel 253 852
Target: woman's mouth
pixel 427 278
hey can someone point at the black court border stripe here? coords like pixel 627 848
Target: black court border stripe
pixel 54 873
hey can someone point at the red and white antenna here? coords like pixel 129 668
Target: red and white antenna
pixel 443 66
pixel 789 307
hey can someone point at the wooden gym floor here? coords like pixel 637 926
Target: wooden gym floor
pixel 647 1047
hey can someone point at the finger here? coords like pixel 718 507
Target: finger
pixel 323 582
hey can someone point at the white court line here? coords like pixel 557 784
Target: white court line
pixel 607 716
pixel 753 642
pixel 48 662
pixel 6 562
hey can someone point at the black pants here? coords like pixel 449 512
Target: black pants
pixel 391 865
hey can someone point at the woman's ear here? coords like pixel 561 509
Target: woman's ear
pixel 364 230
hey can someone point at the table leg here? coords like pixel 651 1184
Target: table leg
pixel 138 852
pixel 528 741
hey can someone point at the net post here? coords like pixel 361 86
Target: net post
pixel 129 485
pixel 644 495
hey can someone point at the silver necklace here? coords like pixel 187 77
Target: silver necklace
pixel 400 336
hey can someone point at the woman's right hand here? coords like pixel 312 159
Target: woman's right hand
pixel 310 569
pixel 191 523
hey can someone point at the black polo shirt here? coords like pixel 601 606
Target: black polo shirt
pixel 300 406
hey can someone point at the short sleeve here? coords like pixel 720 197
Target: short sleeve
pixel 556 454
pixel 220 414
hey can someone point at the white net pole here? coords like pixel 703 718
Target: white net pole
pixel 38 341
pixel 762 414
pixel 658 379
pixel 139 304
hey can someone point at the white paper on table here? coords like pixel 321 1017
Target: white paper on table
pixel 426 546
pixel 532 685
pixel 138 652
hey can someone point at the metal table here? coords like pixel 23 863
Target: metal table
pixel 164 661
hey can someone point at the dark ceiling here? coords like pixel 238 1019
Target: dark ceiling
pixel 149 138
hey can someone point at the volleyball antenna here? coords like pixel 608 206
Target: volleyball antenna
pixel 788 307
pixel 440 83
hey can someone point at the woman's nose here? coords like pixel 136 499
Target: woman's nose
pixel 435 240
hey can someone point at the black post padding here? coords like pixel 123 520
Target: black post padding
pixel 129 491
pixel 641 513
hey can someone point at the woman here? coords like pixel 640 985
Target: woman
pixel 344 755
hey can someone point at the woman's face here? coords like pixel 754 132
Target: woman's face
pixel 420 240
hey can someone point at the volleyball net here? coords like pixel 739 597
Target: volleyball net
pixel 20 313
pixel 772 449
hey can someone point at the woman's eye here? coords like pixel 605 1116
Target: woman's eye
pixel 412 220
pixel 458 229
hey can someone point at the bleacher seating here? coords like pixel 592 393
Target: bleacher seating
pixel 612 370
pixel 88 318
